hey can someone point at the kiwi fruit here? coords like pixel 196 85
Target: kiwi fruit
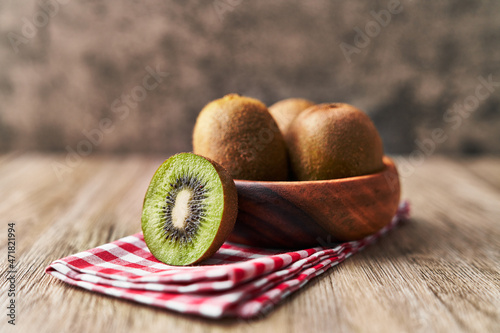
pixel 239 133
pixel 336 140
pixel 285 111
pixel 189 209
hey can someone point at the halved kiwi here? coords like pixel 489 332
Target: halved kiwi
pixel 189 209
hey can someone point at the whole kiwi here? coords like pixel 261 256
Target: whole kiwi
pixel 336 140
pixel 285 111
pixel 239 133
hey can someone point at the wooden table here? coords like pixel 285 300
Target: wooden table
pixel 439 272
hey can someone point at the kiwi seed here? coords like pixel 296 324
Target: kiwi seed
pixel 191 192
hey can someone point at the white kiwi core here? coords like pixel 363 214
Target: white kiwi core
pixel 180 212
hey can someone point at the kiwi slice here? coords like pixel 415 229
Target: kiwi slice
pixel 189 209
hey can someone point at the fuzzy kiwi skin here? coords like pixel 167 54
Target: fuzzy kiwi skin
pixel 228 214
pixel 285 111
pixel 239 133
pixel 330 141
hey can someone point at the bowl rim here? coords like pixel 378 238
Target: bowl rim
pixel 388 162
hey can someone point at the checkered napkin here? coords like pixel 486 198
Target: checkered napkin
pixel 238 281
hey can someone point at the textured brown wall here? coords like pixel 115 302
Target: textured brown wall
pixel 68 74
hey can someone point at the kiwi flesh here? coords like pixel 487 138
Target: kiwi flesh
pixel 189 209
pixel 285 111
pixel 335 140
pixel 239 133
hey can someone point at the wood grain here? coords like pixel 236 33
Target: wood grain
pixel 438 273
pixel 298 214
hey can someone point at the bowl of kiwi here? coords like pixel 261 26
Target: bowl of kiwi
pixel 284 177
pixel 301 214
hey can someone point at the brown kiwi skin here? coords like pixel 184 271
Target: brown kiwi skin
pixel 240 134
pixel 285 111
pixel 333 140
pixel 228 214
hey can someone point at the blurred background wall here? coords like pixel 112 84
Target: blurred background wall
pixel 75 71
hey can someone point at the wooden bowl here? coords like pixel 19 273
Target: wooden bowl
pixel 300 214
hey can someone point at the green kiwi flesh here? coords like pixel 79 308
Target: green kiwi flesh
pixel 189 209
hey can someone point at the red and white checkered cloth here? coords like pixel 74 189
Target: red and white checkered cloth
pixel 238 281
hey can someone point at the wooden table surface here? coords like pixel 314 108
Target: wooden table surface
pixel 439 272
